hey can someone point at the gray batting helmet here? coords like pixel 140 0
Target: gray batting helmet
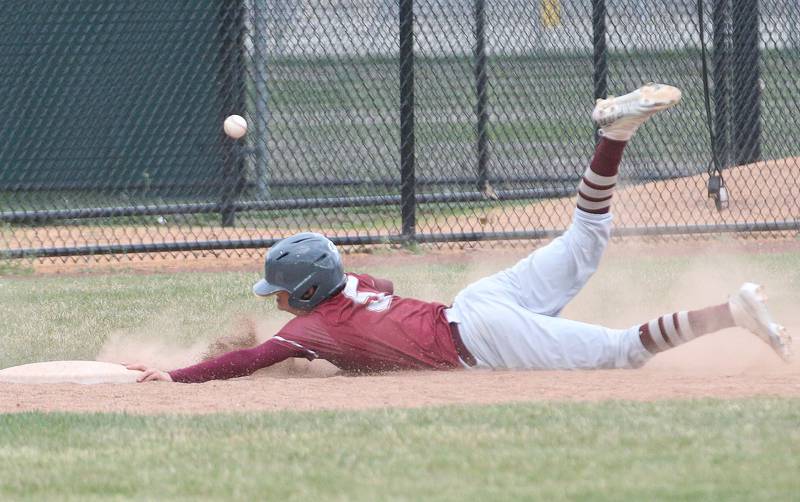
pixel 297 264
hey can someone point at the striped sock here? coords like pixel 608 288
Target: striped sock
pixel 597 186
pixel 675 329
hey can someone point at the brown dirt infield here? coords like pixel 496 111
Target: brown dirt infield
pixel 727 365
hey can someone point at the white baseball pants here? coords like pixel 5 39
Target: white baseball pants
pixel 510 319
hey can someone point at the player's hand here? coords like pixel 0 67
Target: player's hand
pixel 149 374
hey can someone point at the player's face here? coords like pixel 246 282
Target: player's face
pixel 282 301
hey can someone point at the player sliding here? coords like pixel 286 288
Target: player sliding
pixel 506 321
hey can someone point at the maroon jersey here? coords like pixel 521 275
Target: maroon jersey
pixel 366 329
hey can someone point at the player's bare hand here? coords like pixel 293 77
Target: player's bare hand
pixel 149 374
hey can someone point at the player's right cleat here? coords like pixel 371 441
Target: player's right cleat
pixel 619 117
pixel 749 310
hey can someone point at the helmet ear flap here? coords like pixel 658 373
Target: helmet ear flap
pixel 296 296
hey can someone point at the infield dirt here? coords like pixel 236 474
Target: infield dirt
pixel 726 365
pixel 664 380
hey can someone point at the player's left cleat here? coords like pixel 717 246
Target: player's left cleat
pixel 619 117
pixel 749 310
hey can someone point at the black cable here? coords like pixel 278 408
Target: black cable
pixel 716 183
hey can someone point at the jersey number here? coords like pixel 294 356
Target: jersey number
pixel 375 302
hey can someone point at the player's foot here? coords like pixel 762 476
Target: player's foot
pixel 749 310
pixel 619 117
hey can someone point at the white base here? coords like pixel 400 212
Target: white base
pixel 81 372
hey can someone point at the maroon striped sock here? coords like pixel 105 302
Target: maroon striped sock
pixel 675 329
pixel 597 186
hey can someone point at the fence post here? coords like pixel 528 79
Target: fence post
pixel 747 82
pixel 481 105
pixel 600 59
pixel 232 92
pixel 721 75
pixel 407 180
pixel 260 62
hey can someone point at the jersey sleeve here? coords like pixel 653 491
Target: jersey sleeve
pixel 382 285
pixel 237 363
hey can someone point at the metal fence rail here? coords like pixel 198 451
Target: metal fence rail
pixel 382 121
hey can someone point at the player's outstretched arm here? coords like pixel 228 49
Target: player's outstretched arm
pixel 231 365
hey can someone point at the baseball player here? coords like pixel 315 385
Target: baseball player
pixel 509 320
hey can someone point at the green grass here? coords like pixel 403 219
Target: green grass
pixel 720 450
pixel 14 268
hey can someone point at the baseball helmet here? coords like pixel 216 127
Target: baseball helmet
pixel 299 263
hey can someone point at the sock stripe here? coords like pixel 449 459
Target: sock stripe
pixel 647 340
pixel 598 181
pixel 683 322
pixel 663 332
pixel 594 193
pixel 655 334
pixel 594 199
pixel 589 184
pixel 586 204
pixel 672 329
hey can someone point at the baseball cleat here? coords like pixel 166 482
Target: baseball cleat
pixel 749 310
pixel 619 117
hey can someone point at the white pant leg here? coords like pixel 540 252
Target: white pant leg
pixel 551 276
pixel 508 320
pixel 503 335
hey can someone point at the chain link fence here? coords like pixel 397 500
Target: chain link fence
pixel 384 121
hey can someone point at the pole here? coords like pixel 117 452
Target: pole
pixel 600 59
pixel 407 158
pixel 747 82
pixel 481 106
pixel 231 89
pixel 721 71
pixel 260 63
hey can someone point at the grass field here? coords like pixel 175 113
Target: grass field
pixel 738 449
pixel 720 450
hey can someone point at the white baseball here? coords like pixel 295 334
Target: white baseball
pixel 235 126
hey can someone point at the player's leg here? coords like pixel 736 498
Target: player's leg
pixel 550 277
pixel 746 308
pixel 502 336
pixel 520 339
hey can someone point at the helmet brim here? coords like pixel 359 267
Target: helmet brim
pixel 263 288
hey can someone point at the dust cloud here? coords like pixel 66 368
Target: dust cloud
pixel 156 353
pixel 159 348
pixel 705 277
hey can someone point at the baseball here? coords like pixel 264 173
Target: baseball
pixel 235 126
